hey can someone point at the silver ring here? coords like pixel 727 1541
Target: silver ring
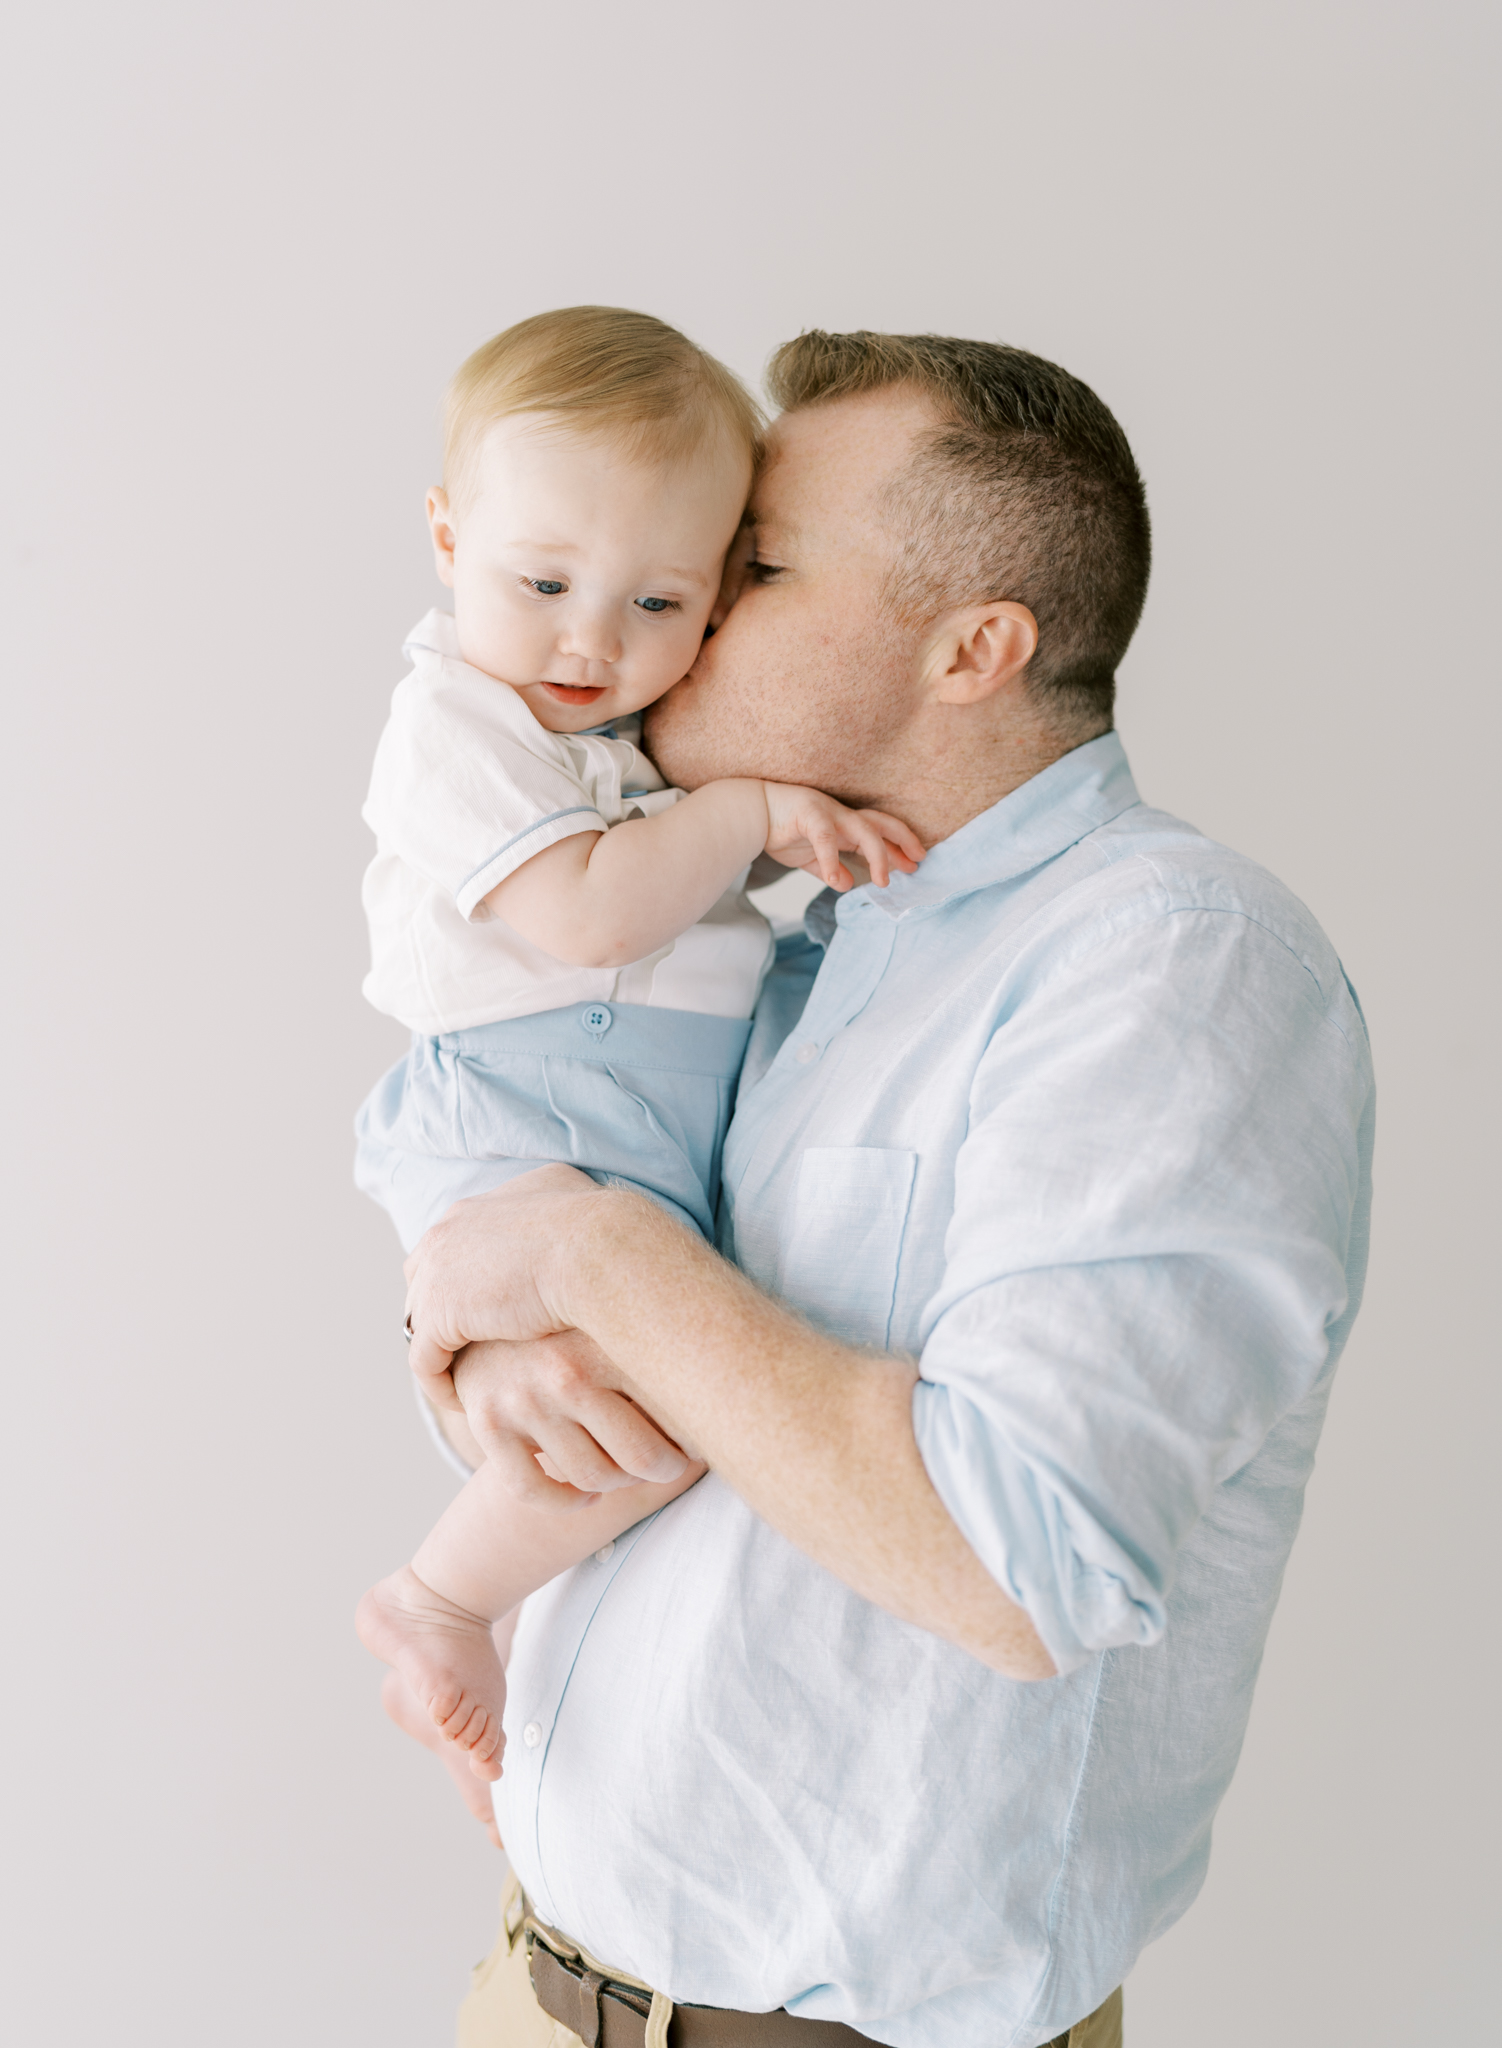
pixel 407 1330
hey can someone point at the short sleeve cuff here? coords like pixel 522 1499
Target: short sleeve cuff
pixel 519 849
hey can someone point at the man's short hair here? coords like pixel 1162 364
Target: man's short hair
pixel 605 371
pixel 1028 492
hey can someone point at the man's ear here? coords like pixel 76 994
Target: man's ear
pixel 978 651
pixel 441 527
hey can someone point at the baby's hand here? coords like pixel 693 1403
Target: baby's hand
pixel 807 829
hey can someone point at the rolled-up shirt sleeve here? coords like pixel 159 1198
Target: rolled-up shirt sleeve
pixel 1154 1207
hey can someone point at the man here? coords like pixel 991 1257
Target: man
pixel 1047 1188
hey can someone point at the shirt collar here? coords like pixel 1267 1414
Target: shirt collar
pixel 434 633
pixel 1038 821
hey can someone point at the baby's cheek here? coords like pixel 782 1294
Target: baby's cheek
pixel 501 642
pixel 677 652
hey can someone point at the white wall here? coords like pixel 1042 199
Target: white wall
pixel 248 245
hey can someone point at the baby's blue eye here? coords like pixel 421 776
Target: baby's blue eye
pixel 654 604
pixel 545 586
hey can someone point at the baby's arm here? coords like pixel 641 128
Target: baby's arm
pixel 600 899
pixel 432 1620
pixel 490 1549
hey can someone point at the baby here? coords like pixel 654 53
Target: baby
pixel 567 938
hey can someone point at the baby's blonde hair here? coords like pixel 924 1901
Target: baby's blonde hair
pixel 606 371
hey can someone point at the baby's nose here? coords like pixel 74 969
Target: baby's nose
pixel 593 636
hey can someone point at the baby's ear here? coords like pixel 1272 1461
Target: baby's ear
pixel 441 526
pixel 733 575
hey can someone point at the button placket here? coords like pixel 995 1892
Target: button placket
pixel 854 964
pixel 527 1761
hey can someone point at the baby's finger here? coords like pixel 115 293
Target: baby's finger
pixel 825 842
pixel 871 846
pixel 899 835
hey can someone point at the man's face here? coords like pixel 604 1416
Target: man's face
pixel 809 680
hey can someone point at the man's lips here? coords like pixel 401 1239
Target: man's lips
pixel 574 693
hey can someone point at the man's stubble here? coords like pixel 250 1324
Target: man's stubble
pixel 831 715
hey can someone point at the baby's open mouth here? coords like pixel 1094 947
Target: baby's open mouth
pixel 571 693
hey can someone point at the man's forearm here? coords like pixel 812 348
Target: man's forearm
pixel 815 1436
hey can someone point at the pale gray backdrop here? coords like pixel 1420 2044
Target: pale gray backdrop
pixel 247 246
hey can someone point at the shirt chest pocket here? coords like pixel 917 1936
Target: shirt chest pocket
pixel 842 1238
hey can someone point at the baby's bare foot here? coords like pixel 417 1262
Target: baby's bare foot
pixel 447 1656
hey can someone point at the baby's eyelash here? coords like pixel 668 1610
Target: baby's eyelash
pixel 545 586
pixel 659 607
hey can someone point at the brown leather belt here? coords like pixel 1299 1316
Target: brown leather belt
pixel 606 2013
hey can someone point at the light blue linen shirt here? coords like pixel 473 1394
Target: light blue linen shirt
pixel 1080 1116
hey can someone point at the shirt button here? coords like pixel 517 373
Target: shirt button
pixel 605 1552
pixel 806 1052
pixel 532 1734
pixel 597 1019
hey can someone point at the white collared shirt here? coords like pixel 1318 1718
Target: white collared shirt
pixel 467 786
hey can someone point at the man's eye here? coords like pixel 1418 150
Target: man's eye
pixel 762 572
pixel 546 586
pixel 657 604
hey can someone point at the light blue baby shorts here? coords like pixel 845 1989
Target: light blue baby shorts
pixel 629 1093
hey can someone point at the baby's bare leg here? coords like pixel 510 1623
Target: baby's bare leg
pixel 432 1619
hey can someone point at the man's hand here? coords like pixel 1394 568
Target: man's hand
pixel 487 1271
pixel 556 1400
pixel 807 829
pixel 490 1339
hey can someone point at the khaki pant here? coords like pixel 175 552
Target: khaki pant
pixel 501 2011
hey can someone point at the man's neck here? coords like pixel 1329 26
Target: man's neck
pixel 939 787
